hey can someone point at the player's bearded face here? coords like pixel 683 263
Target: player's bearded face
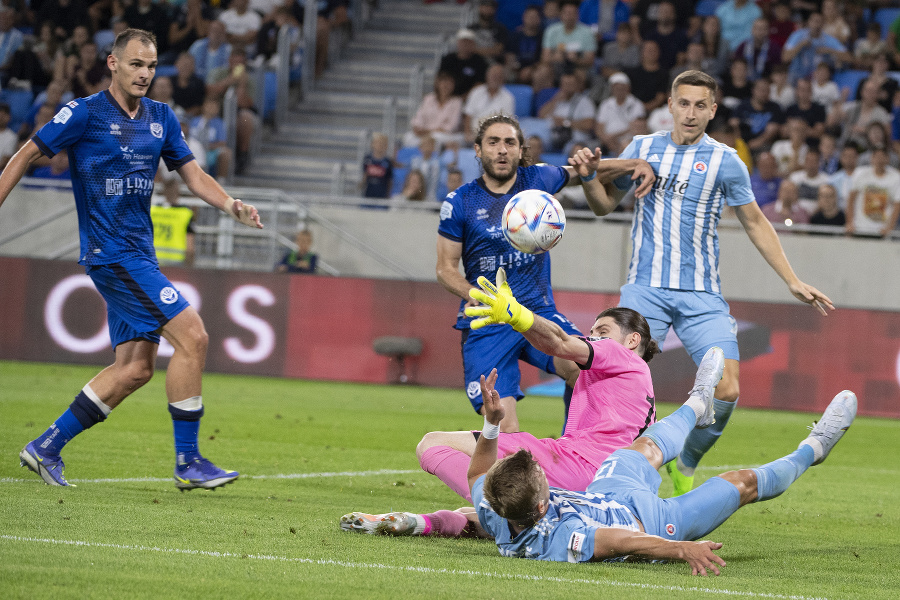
pixel 500 152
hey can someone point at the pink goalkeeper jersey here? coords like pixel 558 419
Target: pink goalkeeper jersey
pixel 611 406
pixel 612 403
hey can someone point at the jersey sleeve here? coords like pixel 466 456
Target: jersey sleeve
pixel 493 523
pixel 736 181
pixel 553 178
pixel 175 151
pixel 453 219
pixel 65 129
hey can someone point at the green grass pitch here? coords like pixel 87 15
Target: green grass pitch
pixel 312 451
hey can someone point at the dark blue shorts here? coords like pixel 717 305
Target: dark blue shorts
pixel 502 347
pixel 140 300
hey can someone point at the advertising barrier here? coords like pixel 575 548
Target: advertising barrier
pixel 304 326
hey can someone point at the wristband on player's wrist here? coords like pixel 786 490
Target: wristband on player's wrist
pixel 590 177
pixel 489 431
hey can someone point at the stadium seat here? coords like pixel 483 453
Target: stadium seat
pixel 468 164
pixel 523 95
pixel 166 71
pixel 270 94
pixel 885 17
pixel 850 79
pixel 400 174
pixel 406 154
pixel 534 126
pixel 19 102
pixel 555 158
pixel 542 97
pixel 707 8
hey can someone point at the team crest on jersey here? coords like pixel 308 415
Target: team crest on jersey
pixel 62 116
pixel 473 390
pixel 700 167
pixel 156 129
pixel 670 529
pixel 168 295
pixel 446 210
pixel 114 129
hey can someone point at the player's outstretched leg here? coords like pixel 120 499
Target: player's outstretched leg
pixel 669 433
pixel 445 523
pixel 709 373
pixel 774 478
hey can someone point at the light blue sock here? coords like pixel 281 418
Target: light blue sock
pixel 773 478
pixel 699 441
pixel 669 433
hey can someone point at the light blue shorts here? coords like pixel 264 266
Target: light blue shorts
pixel 701 320
pixel 628 478
pixel 502 347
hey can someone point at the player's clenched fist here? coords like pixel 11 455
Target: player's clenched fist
pixel 499 305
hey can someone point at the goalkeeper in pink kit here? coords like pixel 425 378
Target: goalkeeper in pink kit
pixel 612 405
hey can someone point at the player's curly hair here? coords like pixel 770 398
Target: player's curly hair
pixel 508 120
pixel 145 37
pixel 631 321
pixel 513 488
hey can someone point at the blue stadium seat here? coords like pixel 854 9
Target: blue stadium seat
pixel 523 95
pixel 400 174
pixel 885 17
pixel 555 158
pixel 19 104
pixel 706 8
pixel 406 154
pixel 166 71
pixel 468 164
pixel 534 126
pixel 542 97
pixel 270 93
pixel 850 79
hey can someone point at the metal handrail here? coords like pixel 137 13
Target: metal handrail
pixel 308 72
pixel 283 75
pixel 229 116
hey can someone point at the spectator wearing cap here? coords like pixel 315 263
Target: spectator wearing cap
pixel 569 43
pixel 467 67
pixel 619 117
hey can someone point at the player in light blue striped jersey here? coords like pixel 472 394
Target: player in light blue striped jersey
pixel 673 277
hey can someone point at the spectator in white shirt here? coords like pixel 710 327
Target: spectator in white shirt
pixel 488 99
pixel 874 203
pixel 619 117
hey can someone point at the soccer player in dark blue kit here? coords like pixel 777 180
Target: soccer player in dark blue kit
pixel 470 232
pixel 115 139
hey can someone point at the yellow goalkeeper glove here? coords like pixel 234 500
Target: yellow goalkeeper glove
pixel 500 306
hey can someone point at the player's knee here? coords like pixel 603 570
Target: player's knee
pixel 136 374
pixel 745 482
pixel 429 440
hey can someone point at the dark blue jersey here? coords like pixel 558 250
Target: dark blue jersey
pixel 472 214
pixel 113 160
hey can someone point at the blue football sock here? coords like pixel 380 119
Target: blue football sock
pixel 82 414
pixel 669 433
pixel 699 441
pixel 186 425
pixel 773 478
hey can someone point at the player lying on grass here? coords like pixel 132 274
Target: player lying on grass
pixel 620 514
pixel 612 402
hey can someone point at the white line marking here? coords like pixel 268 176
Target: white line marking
pixel 429 570
pixel 279 476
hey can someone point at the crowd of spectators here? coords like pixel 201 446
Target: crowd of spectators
pixel 54 50
pixel 808 97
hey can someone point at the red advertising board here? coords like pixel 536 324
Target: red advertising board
pixel 323 328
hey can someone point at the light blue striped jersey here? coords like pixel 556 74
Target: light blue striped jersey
pixel 564 534
pixel 675 243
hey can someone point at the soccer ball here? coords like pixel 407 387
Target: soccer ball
pixel 533 221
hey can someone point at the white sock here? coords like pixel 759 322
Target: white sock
pixel 683 469
pixel 698 406
pixel 193 403
pixel 90 393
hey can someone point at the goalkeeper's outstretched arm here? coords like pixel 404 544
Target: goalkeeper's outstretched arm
pixel 498 305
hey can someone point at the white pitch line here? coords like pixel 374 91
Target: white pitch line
pixel 278 476
pixel 427 570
